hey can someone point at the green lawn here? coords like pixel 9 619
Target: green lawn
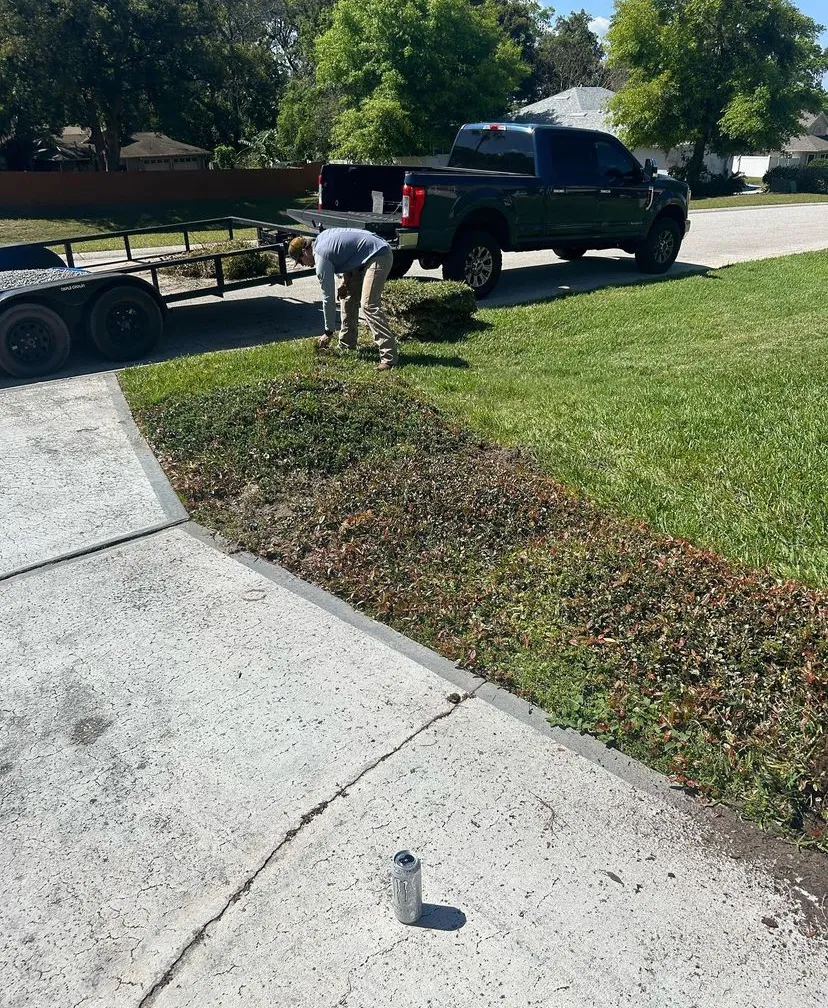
pixel 46 225
pixel 754 199
pixel 697 404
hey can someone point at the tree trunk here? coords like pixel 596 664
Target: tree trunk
pixel 98 142
pixel 696 162
pixel 112 138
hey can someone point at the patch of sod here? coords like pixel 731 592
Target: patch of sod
pixel 709 671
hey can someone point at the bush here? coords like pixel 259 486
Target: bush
pixel 709 185
pixel 812 178
pixel 428 310
pixel 241 267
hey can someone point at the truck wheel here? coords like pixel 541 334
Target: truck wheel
pixel 658 251
pixel 34 340
pixel 125 323
pixel 403 261
pixel 571 252
pixel 475 259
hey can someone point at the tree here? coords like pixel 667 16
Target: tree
pixel 525 22
pixel 407 74
pixel 725 75
pixel 306 120
pixel 570 55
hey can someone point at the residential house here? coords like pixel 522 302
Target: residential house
pixel 71 150
pixel 797 152
pixel 586 108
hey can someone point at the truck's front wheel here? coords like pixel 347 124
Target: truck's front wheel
pixel 659 249
pixel 476 260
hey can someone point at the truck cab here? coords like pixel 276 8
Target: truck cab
pixel 511 187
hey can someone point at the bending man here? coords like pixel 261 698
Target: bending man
pixel 363 260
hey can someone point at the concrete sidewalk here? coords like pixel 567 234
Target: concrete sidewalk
pixel 207 763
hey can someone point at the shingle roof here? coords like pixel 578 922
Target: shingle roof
pixel 807 144
pixel 145 145
pixel 582 107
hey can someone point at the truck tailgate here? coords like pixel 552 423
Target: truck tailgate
pixel 384 224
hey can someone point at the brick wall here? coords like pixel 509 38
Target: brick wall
pixel 61 189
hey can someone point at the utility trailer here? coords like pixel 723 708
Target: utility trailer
pixel 48 303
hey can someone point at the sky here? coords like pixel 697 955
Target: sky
pixel 601 11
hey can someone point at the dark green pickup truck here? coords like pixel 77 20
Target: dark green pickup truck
pixel 510 187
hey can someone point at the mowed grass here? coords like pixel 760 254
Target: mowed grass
pixel 47 225
pixel 696 404
pixel 754 199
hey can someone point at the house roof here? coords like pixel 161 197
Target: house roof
pixel 153 145
pixel 582 107
pixel 807 144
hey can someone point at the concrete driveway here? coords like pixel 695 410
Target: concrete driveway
pixel 717 238
pixel 206 765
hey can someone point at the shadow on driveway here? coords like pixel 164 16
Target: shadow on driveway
pixel 251 318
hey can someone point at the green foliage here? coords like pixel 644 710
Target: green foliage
pixel 709 185
pixel 306 119
pixel 811 178
pixel 252 263
pixel 428 311
pixel 225 157
pixel 408 74
pixel 570 56
pixel 714 673
pixel 728 75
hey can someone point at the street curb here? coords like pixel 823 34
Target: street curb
pixel 761 206
pixel 617 763
pixel 168 498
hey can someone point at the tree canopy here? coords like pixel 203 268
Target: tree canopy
pixel 408 74
pixel 726 75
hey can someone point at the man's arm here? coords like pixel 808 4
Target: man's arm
pixel 327 281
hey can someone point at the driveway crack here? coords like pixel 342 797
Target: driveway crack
pixel 201 934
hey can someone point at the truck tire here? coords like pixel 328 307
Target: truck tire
pixel 34 340
pixel 658 251
pixel 570 252
pixel 403 261
pixel 475 259
pixel 125 323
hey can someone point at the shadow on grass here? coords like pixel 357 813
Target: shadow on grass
pixel 433 360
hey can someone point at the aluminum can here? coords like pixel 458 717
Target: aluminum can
pixel 407 887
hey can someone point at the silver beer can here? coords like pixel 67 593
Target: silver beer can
pixel 407 886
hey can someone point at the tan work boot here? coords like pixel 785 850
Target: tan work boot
pixel 386 365
pixel 323 342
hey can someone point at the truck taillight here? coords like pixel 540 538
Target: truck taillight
pixel 412 205
pixel 319 196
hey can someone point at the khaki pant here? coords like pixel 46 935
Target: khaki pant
pixel 363 288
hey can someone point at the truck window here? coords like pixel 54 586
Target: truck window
pixel 571 157
pixel 494 150
pixel 615 165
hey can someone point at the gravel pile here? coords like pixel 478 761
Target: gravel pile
pixel 9 279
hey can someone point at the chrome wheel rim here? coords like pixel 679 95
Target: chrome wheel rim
pixel 479 266
pixel 664 246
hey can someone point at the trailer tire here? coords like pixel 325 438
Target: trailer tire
pixel 34 340
pixel 476 260
pixel 125 323
pixel 403 261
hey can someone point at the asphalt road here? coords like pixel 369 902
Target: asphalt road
pixel 717 238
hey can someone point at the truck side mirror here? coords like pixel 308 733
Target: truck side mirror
pixel 650 168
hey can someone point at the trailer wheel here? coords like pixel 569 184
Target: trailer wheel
pixel 34 340
pixel 125 323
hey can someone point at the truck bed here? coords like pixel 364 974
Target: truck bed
pixel 384 224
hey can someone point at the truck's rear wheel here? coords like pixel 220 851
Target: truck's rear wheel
pixel 125 323
pixel 34 340
pixel 571 252
pixel 476 260
pixel 403 261
pixel 658 251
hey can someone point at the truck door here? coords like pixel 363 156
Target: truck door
pixel 624 189
pixel 572 205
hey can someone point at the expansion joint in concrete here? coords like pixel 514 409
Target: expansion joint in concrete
pixel 201 934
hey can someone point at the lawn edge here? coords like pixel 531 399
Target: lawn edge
pixel 800 871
